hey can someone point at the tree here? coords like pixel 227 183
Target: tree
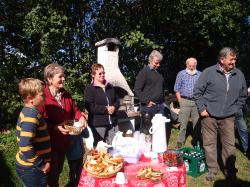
pixel 35 33
pixel 181 28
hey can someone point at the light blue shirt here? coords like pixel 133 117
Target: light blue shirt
pixel 185 83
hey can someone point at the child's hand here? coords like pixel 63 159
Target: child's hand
pixel 46 167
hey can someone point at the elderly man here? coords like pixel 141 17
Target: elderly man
pixel 183 88
pixel 220 93
pixel 149 86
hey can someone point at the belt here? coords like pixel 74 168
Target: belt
pixel 157 103
pixel 188 98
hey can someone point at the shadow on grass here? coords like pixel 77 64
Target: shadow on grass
pixel 5 174
pixel 230 183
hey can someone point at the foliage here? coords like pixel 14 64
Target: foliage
pixel 136 46
pixel 182 28
pixel 8 149
pixel 36 33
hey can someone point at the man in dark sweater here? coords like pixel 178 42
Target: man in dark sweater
pixel 149 86
pixel 220 93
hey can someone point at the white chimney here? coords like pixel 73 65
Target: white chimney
pixel 108 56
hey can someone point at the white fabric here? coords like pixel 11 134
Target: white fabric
pixel 89 142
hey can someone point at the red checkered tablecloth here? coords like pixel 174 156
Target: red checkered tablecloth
pixel 172 177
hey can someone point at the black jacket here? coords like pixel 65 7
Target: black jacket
pixel 149 86
pixel 96 100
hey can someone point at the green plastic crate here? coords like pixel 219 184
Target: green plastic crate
pixel 194 159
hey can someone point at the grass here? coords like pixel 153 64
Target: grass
pixel 242 164
pixel 8 177
pixel 8 149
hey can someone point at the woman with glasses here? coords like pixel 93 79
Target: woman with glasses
pixel 101 103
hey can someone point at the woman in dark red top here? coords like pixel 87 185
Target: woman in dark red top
pixel 58 108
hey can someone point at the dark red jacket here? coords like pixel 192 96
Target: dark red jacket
pixel 55 114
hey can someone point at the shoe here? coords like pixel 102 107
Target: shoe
pixel 232 180
pixel 179 145
pixel 211 176
pixel 230 173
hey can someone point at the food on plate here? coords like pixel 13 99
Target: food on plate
pixel 72 130
pixel 149 173
pixel 102 165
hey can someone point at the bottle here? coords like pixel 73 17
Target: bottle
pixel 198 146
pixel 186 162
pixel 145 123
pixel 202 166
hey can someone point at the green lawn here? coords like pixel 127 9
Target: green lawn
pixel 242 164
pixel 8 176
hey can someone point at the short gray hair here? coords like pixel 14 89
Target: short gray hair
pixel 51 70
pixel 156 54
pixel 226 51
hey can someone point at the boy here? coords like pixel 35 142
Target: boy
pixel 33 157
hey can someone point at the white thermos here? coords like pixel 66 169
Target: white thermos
pixel 158 131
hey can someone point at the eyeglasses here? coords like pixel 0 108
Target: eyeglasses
pixel 101 73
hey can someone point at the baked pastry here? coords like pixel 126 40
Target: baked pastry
pixel 102 165
pixel 73 130
pixel 149 173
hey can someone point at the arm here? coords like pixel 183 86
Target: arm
pixel 115 103
pixel 177 87
pixel 27 133
pixel 178 96
pixel 199 89
pixel 139 86
pixel 74 109
pixel 78 115
pixel 243 93
pixel 45 116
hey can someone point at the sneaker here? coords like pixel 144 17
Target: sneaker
pixel 210 176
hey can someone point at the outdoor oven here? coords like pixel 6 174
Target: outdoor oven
pixel 108 56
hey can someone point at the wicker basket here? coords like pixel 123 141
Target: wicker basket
pixel 102 175
pixel 73 130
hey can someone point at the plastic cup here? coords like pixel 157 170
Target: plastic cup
pixel 77 124
pixel 120 178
